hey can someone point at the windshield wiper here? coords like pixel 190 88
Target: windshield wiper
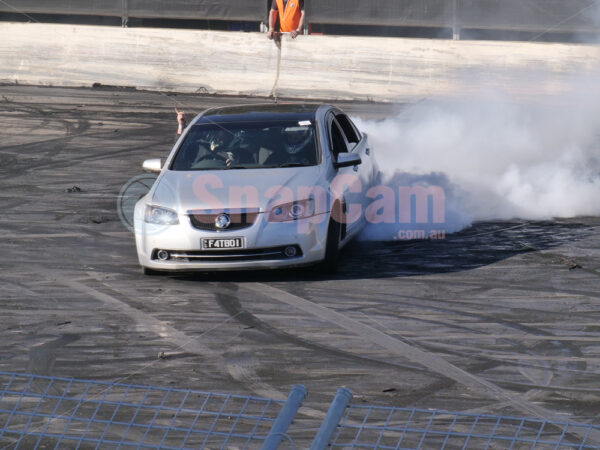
pixel 235 167
pixel 292 165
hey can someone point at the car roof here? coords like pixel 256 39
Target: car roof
pixel 261 112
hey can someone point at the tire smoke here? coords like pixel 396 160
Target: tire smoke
pixel 494 158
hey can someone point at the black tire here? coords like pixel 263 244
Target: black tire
pixel 150 272
pixel 332 250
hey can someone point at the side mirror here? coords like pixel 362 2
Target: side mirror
pixel 347 160
pixel 152 165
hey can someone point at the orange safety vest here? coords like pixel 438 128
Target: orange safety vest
pixel 289 17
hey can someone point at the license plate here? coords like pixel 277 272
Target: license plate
pixel 222 243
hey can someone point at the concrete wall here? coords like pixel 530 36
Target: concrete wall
pixel 326 67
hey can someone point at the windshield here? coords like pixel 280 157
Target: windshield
pixel 248 145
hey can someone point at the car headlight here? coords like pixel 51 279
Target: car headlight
pixel 300 209
pixel 160 216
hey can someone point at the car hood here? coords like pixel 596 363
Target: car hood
pixel 234 189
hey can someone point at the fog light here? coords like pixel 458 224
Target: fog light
pixel 290 252
pixel 163 255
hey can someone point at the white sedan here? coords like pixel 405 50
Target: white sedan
pixel 256 186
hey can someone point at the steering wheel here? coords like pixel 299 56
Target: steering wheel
pixel 211 155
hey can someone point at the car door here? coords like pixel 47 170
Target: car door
pixel 354 180
pixel 358 143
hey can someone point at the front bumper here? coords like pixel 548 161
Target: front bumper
pixel 265 244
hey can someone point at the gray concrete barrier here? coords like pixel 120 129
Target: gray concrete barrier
pixel 323 67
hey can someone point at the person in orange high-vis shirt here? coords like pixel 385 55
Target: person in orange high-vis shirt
pixel 291 17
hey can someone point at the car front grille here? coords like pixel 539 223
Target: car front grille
pixel 239 220
pixel 257 254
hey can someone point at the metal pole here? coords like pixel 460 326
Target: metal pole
pixel 332 419
pixel 285 417
pixel 455 27
pixel 125 14
pixel 306 13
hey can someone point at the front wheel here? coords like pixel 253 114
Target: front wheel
pixel 150 272
pixel 332 247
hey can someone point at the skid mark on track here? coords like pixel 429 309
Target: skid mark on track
pixel 432 362
pixel 538 289
pixel 43 236
pixel 42 357
pixel 232 306
pixel 144 320
pixel 242 368
pixel 244 371
pixel 571 354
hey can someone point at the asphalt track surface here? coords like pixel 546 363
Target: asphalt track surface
pixel 499 318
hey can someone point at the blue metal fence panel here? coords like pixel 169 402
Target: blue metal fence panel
pixel 404 428
pixel 332 419
pixel 285 418
pixel 51 412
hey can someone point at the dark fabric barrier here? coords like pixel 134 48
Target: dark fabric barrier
pixel 85 7
pixel 438 13
pixel 525 15
pixel 534 15
pixel 251 10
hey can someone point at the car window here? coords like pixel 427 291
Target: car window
pixel 352 134
pixel 248 145
pixel 338 143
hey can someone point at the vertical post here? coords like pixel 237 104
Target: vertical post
pixel 306 14
pixel 268 15
pixel 332 419
pixel 285 417
pixel 125 13
pixel 455 25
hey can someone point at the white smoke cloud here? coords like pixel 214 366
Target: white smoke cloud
pixel 496 158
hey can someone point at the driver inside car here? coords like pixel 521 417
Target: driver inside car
pixel 215 144
pixel 211 149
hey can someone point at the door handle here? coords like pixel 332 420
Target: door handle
pixel 368 151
